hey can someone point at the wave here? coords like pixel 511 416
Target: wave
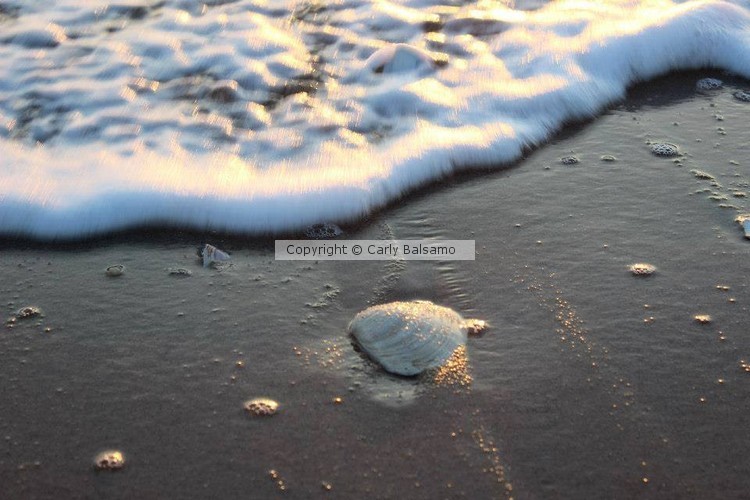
pixel 248 118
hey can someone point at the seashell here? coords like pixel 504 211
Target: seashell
pixel 407 338
pixel 608 158
pixel 569 160
pixel 742 95
pixel 116 270
pixel 708 84
pixel 323 231
pixel 665 149
pixel 211 254
pixel 109 460
pixel 261 407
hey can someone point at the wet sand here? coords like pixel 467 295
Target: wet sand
pixel 590 383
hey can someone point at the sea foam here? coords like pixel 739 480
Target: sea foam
pixel 257 116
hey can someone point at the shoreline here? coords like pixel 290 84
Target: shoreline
pixel 637 96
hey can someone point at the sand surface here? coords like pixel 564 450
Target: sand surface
pixel 591 383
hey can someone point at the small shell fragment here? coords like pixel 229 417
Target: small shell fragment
pixel 116 270
pixel 109 460
pixel 211 254
pixel 569 160
pixel 744 221
pixel 261 407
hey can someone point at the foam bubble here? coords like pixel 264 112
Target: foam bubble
pixel 323 231
pixel 642 269
pixel 28 312
pixel 665 149
pixel 261 407
pixel 702 318
pixel 115 270
pixel 109 460
pixel 705 84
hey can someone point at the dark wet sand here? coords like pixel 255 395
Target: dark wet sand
pixel 579 389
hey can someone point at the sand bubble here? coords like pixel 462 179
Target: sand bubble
pixel 28 312
pixel 642 269
pixel 109 460
pixel 261 407
pixel 665 149
pixel 116 270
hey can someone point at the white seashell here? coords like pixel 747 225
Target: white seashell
pixel 211 254
pixel 407 338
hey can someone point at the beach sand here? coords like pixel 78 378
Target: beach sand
pixel 590 383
